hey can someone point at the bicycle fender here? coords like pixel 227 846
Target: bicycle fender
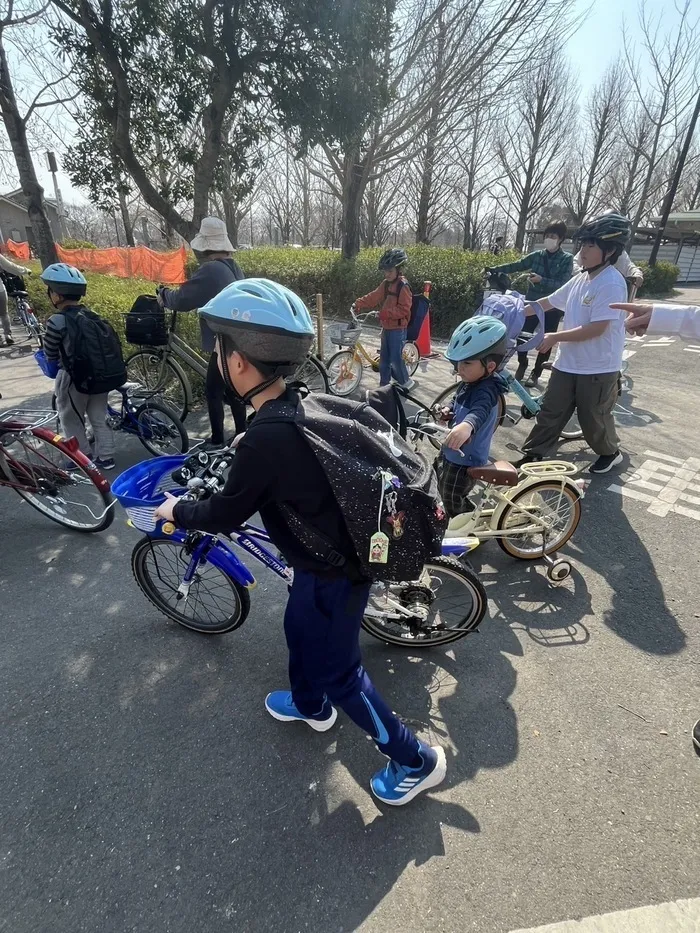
pixel 219 555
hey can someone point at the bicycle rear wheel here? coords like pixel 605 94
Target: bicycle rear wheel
pixel 160 430
pixel 161 376
pixel 214 603
pixel 312 373
pixel 555 503
pixel 445 604
pixel 61 484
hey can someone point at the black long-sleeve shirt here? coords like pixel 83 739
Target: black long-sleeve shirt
pixel 212 277
pixel 274 464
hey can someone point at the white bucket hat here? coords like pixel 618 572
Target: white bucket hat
pixel 212 236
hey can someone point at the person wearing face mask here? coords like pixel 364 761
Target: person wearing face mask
pixel 550 268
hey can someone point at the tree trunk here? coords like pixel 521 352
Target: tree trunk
pixel 426 188
pixel 32 190
pixel 126 220
pixel 232 219
pixel 353 191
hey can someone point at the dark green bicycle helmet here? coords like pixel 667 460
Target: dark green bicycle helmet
pixel 393 259
pixel 608 229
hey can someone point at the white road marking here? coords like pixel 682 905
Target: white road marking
pixel 672 484
pixel 682 916
pixel 692 349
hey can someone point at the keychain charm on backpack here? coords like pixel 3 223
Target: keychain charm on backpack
pixel 396 520
pixel 378 548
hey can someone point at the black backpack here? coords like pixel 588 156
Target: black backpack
pixel 387 493
pixel 96 364
pixel 145 323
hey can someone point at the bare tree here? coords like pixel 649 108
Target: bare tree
pixel 481 39
pixel 586 172
pixel 16 124
pixel 665 99
pixel 534 145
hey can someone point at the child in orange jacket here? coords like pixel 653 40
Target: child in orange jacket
pixel 394 296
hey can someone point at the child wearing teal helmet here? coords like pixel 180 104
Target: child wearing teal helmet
pixel 264 331
pixel 476 350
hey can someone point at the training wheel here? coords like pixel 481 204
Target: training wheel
pixel 558 571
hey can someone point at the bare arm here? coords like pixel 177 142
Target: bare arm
pixel 584 332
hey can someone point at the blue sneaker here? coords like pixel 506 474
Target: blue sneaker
pixel 396 784
pixel 281 706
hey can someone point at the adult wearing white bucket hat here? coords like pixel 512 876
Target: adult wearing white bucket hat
pixel 217 269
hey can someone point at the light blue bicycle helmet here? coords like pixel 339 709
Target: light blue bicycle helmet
pixel 65 280
pixel 477 338
pixel 264 320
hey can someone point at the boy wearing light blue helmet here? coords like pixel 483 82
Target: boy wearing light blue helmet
pixel 476 350
pixel 264 331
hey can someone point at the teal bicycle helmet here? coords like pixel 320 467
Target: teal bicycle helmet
pixel 265 321
pixel 64 280
pixel 477 338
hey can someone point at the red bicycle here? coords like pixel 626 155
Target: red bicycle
pixel 50 473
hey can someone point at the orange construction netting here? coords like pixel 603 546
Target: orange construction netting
pixel 17 250
pixel 137 262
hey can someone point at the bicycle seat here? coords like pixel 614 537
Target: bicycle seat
pixel 18 294
pixel 500 473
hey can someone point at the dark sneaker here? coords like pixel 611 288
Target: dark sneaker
pixel 105 463
pixel 696 738
pixel 528 458
pixel 532 382
pixel 606 463
pixel 9 341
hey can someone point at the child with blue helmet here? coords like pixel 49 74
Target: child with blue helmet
pixel 476 350
pixel 67 287
pixel 264 332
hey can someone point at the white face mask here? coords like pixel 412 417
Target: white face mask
pixel 551 244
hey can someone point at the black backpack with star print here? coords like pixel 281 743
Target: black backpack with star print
pixel 387 493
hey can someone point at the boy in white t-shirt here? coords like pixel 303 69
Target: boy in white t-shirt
pixel 585 376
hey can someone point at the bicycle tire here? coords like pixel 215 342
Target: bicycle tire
pixel 353 369
pixel 534 553
pixel 139 368
pixel 469 623
pixel 312 373
pixel 145 582
pixel 41 501
pixel 177 425
pixel 412 360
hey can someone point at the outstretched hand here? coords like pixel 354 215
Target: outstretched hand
pixel 639 315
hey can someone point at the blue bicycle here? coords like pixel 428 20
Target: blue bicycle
pixel 199 581
pixel 155 424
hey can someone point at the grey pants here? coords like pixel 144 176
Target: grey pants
pixel 591 397
pixel 4 314
pixel 72 408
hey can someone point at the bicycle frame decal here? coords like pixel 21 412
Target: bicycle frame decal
pixel 253 547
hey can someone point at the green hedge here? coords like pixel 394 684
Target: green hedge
pixel 659 281
pixel 71 243
pixel 455 274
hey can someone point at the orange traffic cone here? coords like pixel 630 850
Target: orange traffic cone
pixel 423 341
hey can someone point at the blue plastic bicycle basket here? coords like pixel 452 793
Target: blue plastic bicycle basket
pixel 139 490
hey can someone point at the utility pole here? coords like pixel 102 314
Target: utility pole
pixel 671 193
pixel 53 168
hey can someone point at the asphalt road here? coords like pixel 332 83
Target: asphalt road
pixel 144 787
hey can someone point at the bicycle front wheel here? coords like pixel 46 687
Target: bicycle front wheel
pixel 556 504
pixel 161 376
pixel 57 482
pixel 312 373
pixel 411 356
pixel 445 604
pixel 344 372
pixel 213 604
pixel 160 430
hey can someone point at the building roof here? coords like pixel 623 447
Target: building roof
pixel 13 197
